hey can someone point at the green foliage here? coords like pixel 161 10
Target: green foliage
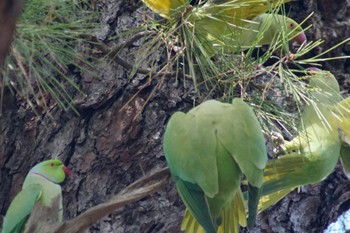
pixel 44 47
pixel 233 70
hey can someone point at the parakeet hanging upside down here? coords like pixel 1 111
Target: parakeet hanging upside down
pixel 208 150
pixel 314 153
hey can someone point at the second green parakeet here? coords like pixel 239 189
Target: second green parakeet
pixel 208 150
pixel 314 153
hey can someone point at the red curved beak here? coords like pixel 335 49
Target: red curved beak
pixel 301 38
pixel 67 171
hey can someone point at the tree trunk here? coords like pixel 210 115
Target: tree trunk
pixel 118 137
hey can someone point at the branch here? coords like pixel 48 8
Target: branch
pixel 112 53
pixel 43 217
pixel 129 42
pixel 134 192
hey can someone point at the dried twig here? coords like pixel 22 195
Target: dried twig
pixel 112 53
pixel 134 192
pixel 43 217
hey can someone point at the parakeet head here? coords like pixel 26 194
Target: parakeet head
pixel 53 170
pixel 276 23
pixel 295 31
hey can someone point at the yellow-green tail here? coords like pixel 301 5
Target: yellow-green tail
pixel 233 216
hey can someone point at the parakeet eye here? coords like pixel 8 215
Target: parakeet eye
pixel 52 164
pixel 291 25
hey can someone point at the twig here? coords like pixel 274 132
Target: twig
pixel 112 53
pixel 134 192
pixel 44 217
pixel 129 42
pixel 164 172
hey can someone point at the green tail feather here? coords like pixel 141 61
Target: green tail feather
pixel 196 202
pixel 253 201
pixel 345 159
pixel 233 215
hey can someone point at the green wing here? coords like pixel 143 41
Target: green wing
pixel 196 203
pixel 190 161
pixel 325 88
pixel 188 157
pixel 342 114
pixel 248 149
pixel 345 159
pixel 342 111
pixel 20 209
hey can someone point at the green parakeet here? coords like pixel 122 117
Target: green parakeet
pixel 217 32
pixel 325 87
pixel 233 25
pixel 41 185
pixel 341 111
pixel 317 146
pixel 243 9
pixel 208 150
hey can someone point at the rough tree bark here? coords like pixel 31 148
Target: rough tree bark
pixel 110 144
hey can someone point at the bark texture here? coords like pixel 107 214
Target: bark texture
pixel 117 137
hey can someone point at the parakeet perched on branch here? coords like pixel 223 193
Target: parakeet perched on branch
pixel 40 186
pixel 208 150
